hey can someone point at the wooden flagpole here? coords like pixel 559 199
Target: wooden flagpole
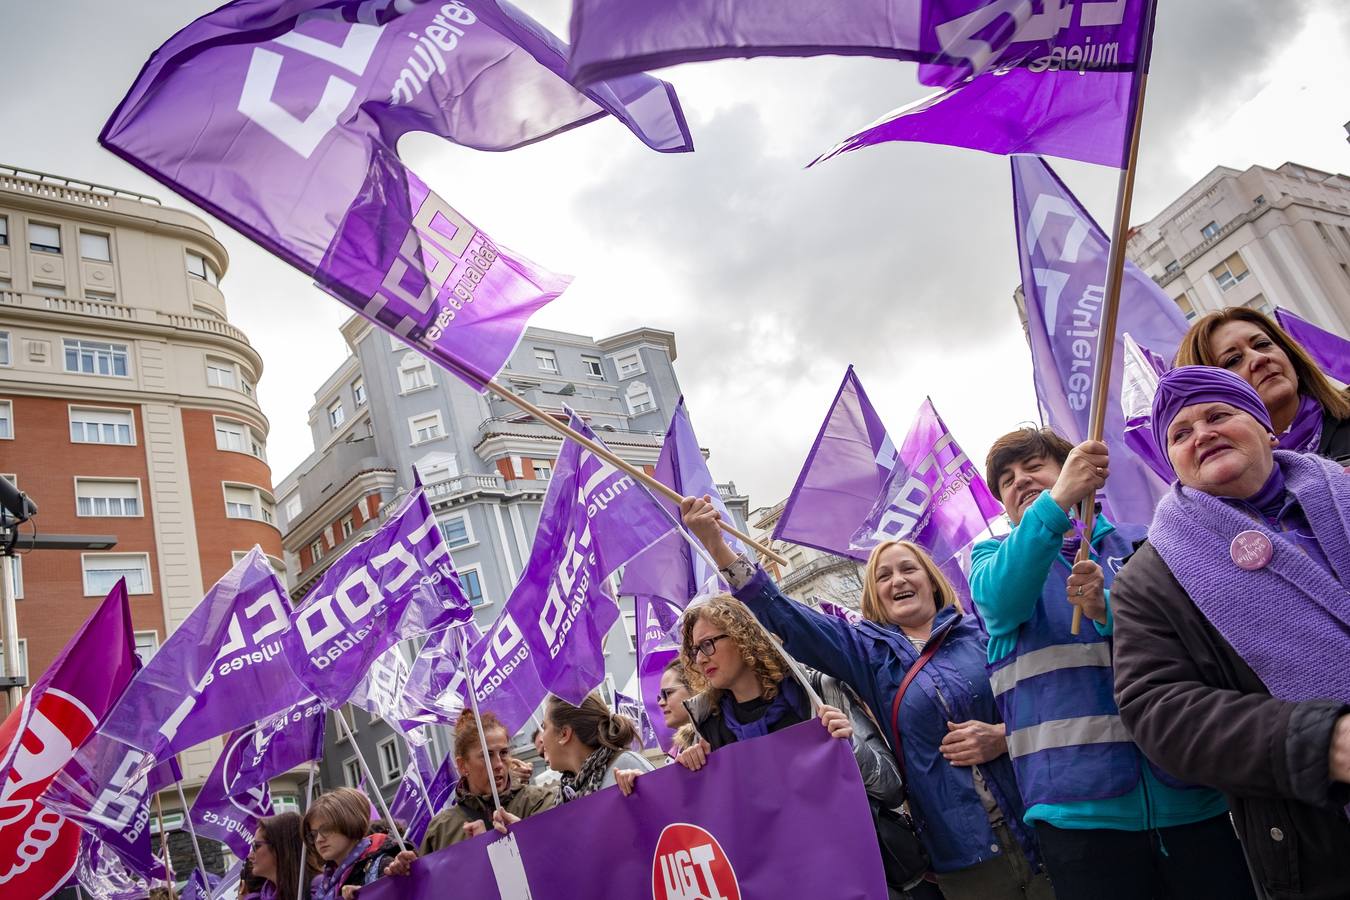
pixel 1115 276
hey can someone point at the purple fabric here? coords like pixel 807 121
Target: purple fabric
pixel 671 568
pixel 222 668
pixel 658 643
pixel 427 697
pixel 164 775
pixel 283 117
pixel 934 496
pixel 1304 434
pixel 955 38
pixel 786 702
pixel 1139 384
pixel 1064 254
pixel 595 518
pixel 842 477
pixel 277 744
pixel 633 709
pixel 1290 621
pixel 101 873
pixel 1330 351
pixel 422 792
pixel 843 613
pixel 1282 512
pixel 758 843
pixel 1191 385
pixel 200 886
pixel 225 812
pixel 398 584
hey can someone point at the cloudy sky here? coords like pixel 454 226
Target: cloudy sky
pixel 898 259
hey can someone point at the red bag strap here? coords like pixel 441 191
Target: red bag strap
pixel 929 651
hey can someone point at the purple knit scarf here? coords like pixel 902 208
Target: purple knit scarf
pixel 1289 621
pixel 1304 434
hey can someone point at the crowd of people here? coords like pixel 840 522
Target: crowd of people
pixel 1191 741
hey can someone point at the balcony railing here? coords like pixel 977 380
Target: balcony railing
pixel 122 313
pixel 58 187
pixel 532 429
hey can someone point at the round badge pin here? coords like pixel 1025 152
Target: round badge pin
pixel 1251 550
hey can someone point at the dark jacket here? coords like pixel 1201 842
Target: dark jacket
pixel 1335 439
pixel 1198 710
pixel 364 870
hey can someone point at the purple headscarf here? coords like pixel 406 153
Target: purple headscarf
pixel 1188 385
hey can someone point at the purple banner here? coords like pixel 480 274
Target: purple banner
pixel 222 668
pixel 955 38
pixel 934 496
pixel 428 698
pixel 842 477
pixel 1330 351
pixel 681 838
pixel 101 873
pixel 276 745
pixel 225 812
pixel 398 584
pixel 200 886
pixel 658 622
pixel 1064 254
pixel 422 792
pixel 283 117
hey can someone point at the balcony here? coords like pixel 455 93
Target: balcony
pixel 118 312
pixel 505 427
pixel 553 401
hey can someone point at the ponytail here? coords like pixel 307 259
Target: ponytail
pixel 594 724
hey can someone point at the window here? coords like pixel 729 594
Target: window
pixel 277 565
pixel 44 238
pixel 23 658
pixel 455 530
pixel 198 267
pixel 629 364
pixel 426 427
pixel 640 398
pixel 1172 266
pixel 243 501
pixel 147 644
pixel 1259 304
pixel 101 571
pixel 95 246
pixel 206 312
pixel 543 470
pixel 286 803
pixel 546 360
pixel 348 526
pixel 472 583
pixel 1210 230
pixel 1187 308
pixel 246 385
pixel 593 368
pixel 231 435
pixel 316 550
pixel 359 392
pixel 96 357
pixel 4 231
pixel 1260 200
pixel 351 772
pixel 101 426
pixel 293 509
pixel 1230 272
pixel 391 769
pixel 220 373
pixel 100 296
pixel 4 348
pixel 414 373
pixel 336 414
pixel 16 569
pixel 96 497
pixel 6 420
pixel 630 629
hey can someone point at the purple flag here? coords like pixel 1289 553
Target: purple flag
pixel 423 791
pixel 397 584
pixel 658 623
pixel 934 496
pixel 222 668
pixel 1330 351
pixel 842 477
pixel 282 118
pixel 225 812
pixel 670 568
pixel 39 737
pixel 632 708
pixel 844 613
pixel 200 886
pixel 427 695
pixel 1064 254
pixel 1139 384
pixel 101 873
pixel 277 744
pixel 682 840
pixel 956 38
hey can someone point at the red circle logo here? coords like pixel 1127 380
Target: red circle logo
pixel 691 865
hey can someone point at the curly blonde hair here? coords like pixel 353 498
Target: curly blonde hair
pixel 736 621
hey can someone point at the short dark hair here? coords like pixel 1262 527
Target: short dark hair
pixel 1019 446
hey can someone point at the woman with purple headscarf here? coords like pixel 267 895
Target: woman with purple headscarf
pixel 1232 630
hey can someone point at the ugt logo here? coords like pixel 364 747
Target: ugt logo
pixel 691 865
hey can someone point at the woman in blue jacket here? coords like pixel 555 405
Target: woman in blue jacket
pixel 962 793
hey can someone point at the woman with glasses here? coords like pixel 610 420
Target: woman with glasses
pixel 337 831
pixel 670 698
pixel 919 666
pixel 275 857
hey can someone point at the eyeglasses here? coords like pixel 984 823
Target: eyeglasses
pixel 665 694
pixel 708 646
pixel 317 833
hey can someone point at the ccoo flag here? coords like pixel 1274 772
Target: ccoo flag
pixel 226 812
pixel 283 117
pixel 221 669
pixel 953 39
pixel 38 847
pixel 1063 254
